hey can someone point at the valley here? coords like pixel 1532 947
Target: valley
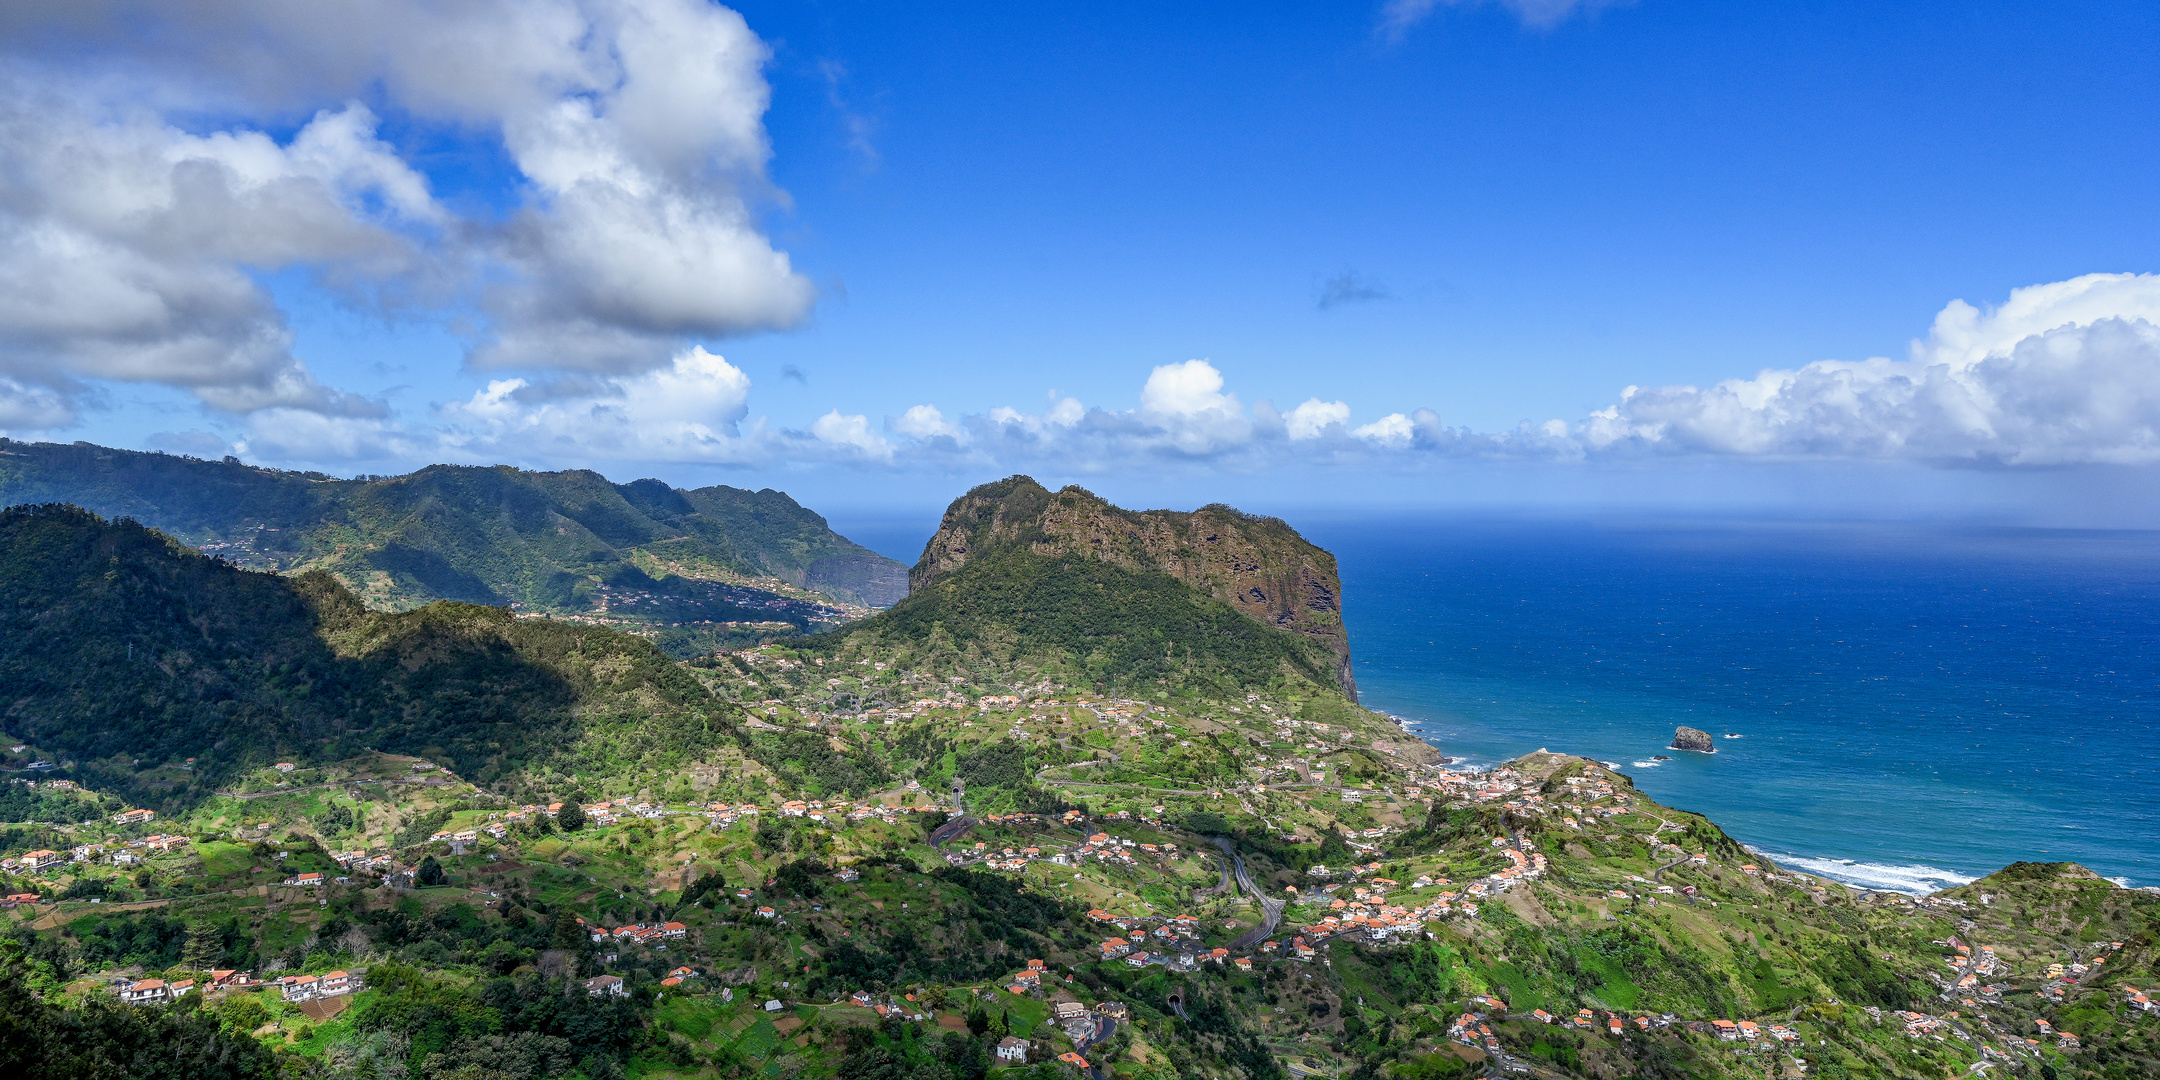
pixel 1004 827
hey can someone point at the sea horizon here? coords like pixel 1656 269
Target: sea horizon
pixel 1917 704
pixel 1898 707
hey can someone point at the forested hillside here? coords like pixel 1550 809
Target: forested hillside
pixel 127 651
pixel 562 541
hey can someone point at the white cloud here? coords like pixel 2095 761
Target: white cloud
pixel 1398 16
pixel 851 433
pixel 129 246
pixel 29 408
pixel 2062 373
pixel 124 246
pixel 692 410
pixel 1312 419
pixel 1188 389
pixel 924 422
pixel 1393 430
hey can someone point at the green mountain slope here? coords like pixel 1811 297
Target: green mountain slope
pixel 1018 574
pixel 124 651
pixel 1255 887
pixel 565 541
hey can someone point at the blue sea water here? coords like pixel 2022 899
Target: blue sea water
pixel 1917 706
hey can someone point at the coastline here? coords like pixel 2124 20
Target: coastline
pixel 1913 713
pixel 1915 877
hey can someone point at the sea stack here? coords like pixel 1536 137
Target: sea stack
pixel 1687 738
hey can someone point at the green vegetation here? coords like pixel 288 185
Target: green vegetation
pixel 123 649
pixel 559 541
pixel 772 824
pixel 1020 578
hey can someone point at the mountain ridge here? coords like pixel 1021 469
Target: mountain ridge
pixel 553 541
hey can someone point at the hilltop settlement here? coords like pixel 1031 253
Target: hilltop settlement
pixel 1095 798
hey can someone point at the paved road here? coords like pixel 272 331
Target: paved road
pixel 289 790
pixel 1270 909
pixel 1224 865
pixel 950 829
pixel 1104 1028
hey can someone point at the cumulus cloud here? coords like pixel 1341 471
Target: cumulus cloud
pixel 2062 373
pixel 851 434
pixel 692 410
pixel 924 422
pixel 125 245
pixel 1312 419
pixel 1398 16
pixel 132 232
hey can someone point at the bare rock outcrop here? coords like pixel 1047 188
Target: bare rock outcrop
pixel 1687 738
pixel 1260 566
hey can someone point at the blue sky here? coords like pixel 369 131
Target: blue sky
pixel 1457 231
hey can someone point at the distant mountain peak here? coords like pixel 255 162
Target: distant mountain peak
pixel 1161 589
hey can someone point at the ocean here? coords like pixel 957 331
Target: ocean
pixel 1915 706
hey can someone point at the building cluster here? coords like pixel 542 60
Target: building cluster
pixel 119 853
pixel 290 987
pixel 636 933
pixel 311 987
pixel 1100 847
pixel 1147 940
pixel 359 859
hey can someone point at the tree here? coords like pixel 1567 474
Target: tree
pixel 571 817
pixel 242 1012
pixel 430 874
pixel 205 947
pixel 978 1021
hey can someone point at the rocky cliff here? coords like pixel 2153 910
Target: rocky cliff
pixel 1259 566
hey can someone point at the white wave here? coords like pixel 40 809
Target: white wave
pixel 2120 882
pixel 1610 764
pixel 1647 764
pixel 1913 880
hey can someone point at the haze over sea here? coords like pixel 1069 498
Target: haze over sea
pixel 1918 706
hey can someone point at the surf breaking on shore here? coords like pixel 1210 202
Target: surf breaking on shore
pixel 1911 879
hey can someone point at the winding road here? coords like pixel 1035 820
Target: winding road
pixel 1270 909
pixel 1224 865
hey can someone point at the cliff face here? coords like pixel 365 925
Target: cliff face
pixel 1260 566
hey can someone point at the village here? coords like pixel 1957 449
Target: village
pixel 1428 855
